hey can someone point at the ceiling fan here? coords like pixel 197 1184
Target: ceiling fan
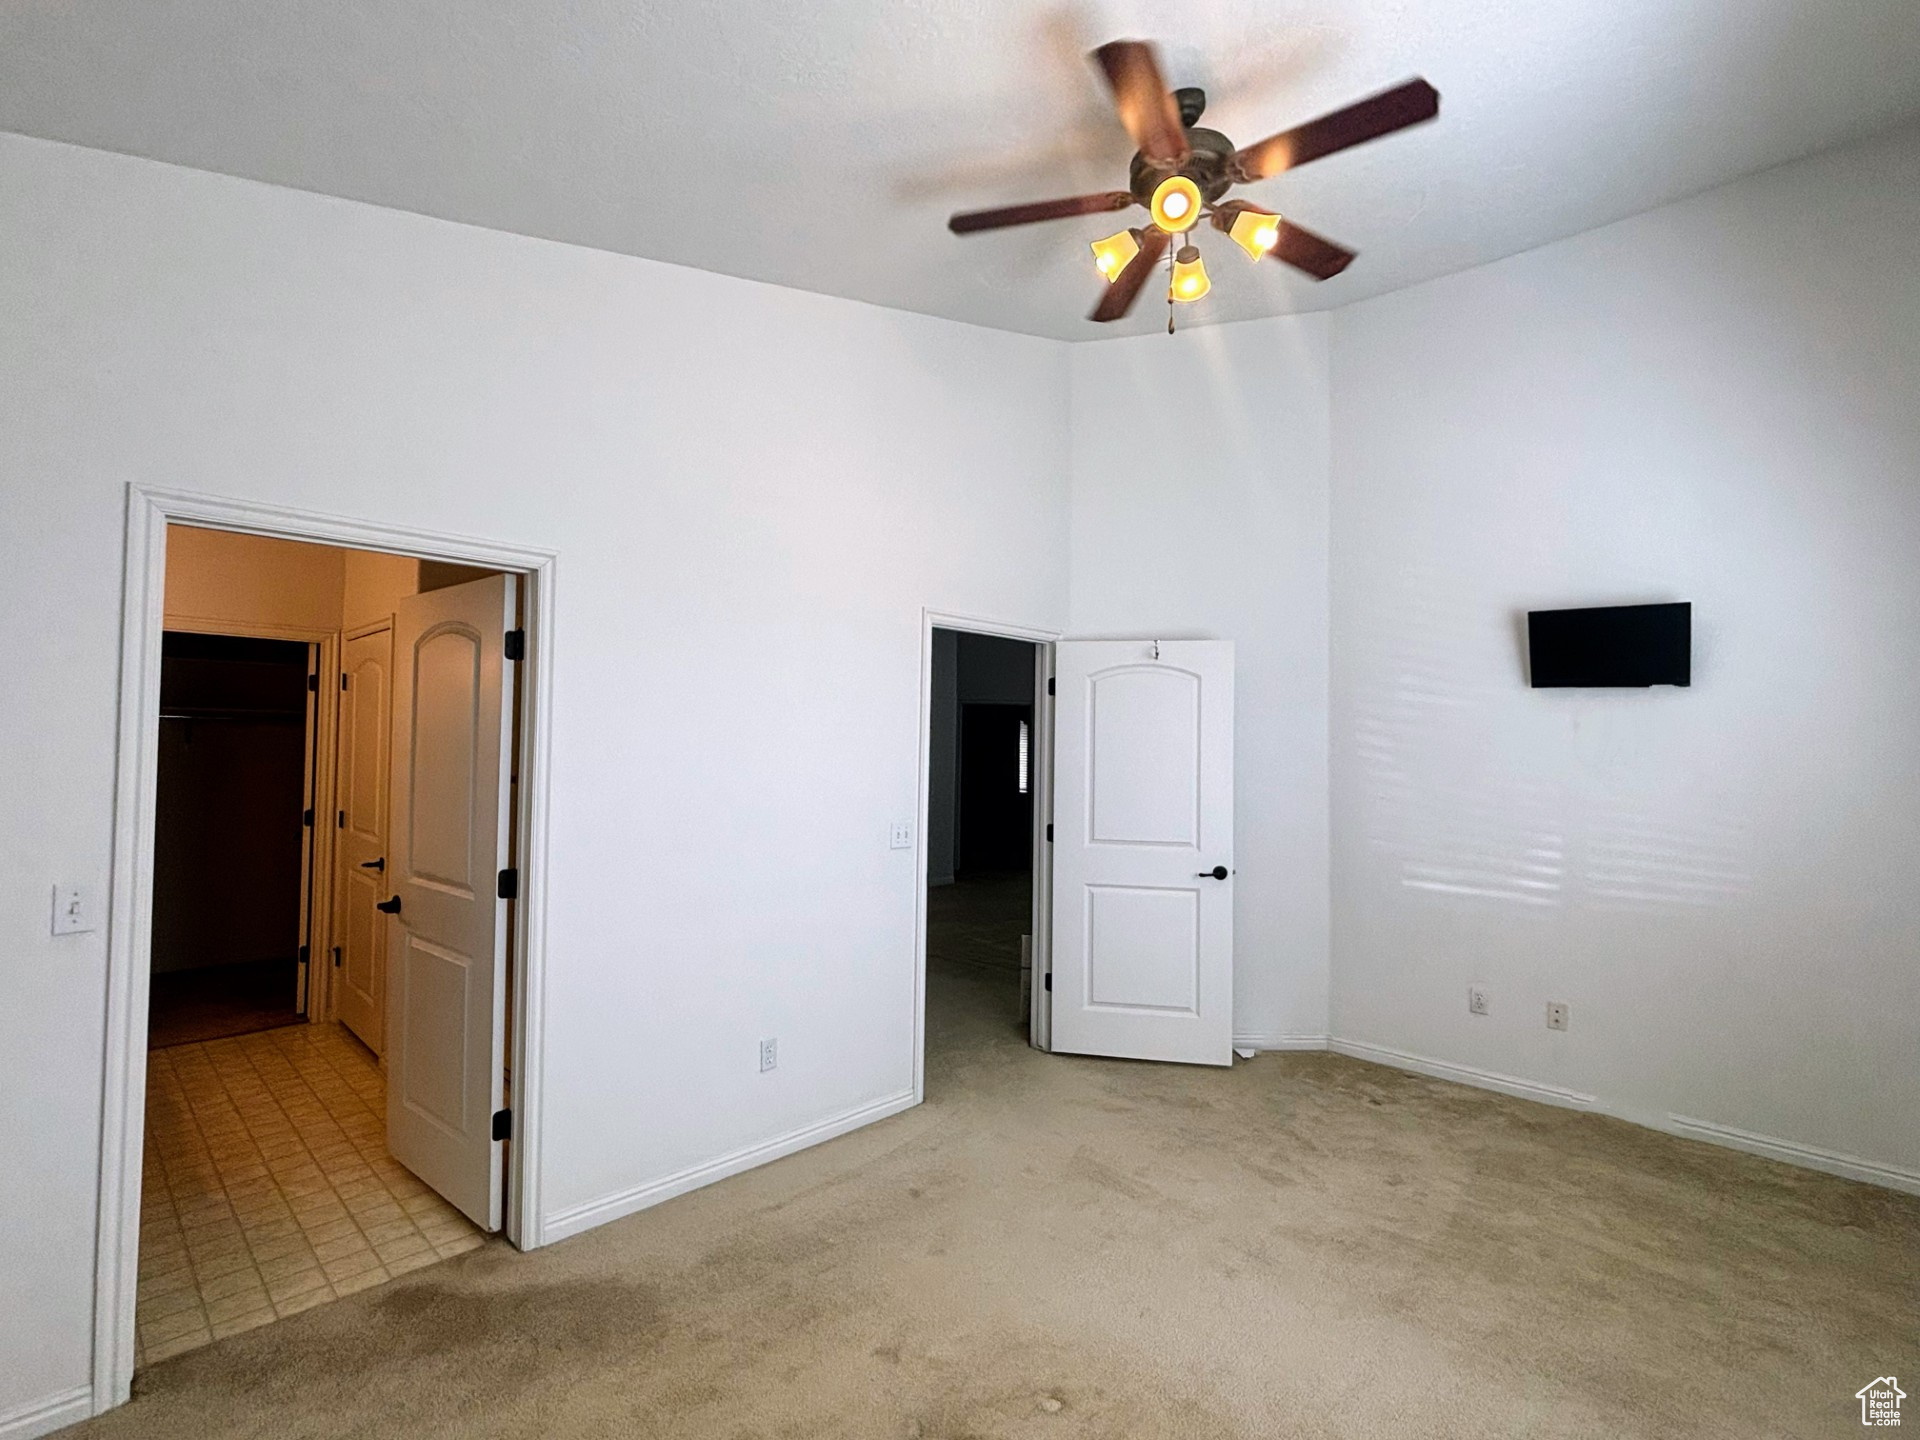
pixel 1181 172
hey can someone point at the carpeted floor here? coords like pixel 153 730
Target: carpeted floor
pixel 1303 1246
pixel 979 919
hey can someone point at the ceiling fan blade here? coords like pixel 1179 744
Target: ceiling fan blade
pixel 1316 255
pixel 968 221
pixel 1147 108
pixel 1395 109
pixel 1127 285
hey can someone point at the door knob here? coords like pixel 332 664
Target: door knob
pixel 391 907
pixel 1219 872
pixel 380 864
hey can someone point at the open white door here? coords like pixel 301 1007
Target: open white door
pixel 1143 850
pixel 447 843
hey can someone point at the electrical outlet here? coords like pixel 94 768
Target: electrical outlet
pixel 1556 1015
pixel 769 1054
pixel 901 836
pixel 1476 1000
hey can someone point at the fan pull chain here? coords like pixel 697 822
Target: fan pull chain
pixel 1170 250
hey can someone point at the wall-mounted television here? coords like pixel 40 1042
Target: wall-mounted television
pixel 1610 646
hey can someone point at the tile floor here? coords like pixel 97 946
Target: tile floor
pixel 268 1188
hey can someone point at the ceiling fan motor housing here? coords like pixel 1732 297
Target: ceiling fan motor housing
pixel 1209 167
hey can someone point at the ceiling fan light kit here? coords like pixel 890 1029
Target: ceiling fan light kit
pixel 1181 172
pixel 1175 204
pixel 1254 231
pixel 1114 253
pixel 1190 280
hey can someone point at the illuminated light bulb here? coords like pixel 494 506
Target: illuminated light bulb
pixel 1115 253
pixel 1190 280
pixel 1176 204
pixel 1255 232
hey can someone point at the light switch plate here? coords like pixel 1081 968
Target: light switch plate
pixel 73 910
pixel 901 837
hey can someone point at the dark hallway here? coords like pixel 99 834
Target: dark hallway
pixel 980 857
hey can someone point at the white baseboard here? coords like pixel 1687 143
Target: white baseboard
pixel 626 1202
pixel 1810 1157
pixel 1280 1041
pixel 1465 1075
pixel 42 1417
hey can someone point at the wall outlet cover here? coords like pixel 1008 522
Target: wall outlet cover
pixel 1556 1015
pixel 769 1054
pixel 1477 1000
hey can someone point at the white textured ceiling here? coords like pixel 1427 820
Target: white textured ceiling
pixel 821 145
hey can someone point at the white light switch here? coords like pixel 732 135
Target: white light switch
pixel 902 837
pixel 72 910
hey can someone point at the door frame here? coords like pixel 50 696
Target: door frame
pixel 1041 761
pixel 150 509
pixel 318 884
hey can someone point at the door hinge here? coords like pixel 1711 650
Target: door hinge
pixel 340 820
pixel 306 818
pixel 508 886
pixel 503 1124
pixel 1050 685
pixel 1049 834
pixel 305 953
pixel 515 644
pixel 313 682
pixel 336 957
pixel 343 680
pixel 1048 985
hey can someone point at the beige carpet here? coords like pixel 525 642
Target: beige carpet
pixel 1052 1247
pixel 978 920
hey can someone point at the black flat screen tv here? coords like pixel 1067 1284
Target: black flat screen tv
pixel 1610 646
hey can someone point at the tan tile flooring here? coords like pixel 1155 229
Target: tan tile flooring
pixel 268 1188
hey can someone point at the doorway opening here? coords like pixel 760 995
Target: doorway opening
pixel 232 875
pixel 984 839
pixel 326 942
pixel 273 1180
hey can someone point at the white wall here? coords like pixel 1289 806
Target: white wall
pixel 1717 402
pixel 753 492
pixel 1200 472
pixel 215 577
pixel 374 584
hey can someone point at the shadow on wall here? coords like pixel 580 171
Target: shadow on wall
pixel 1458 800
